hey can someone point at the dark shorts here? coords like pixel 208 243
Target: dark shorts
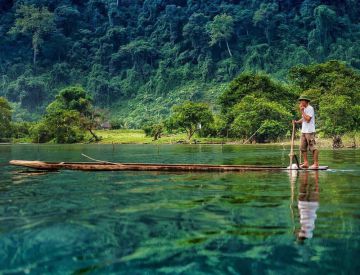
pixel 308 142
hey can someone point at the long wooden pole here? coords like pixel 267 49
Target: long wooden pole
pixel 252 135
pixel 291 155
pixel 300 153
pixel 101 161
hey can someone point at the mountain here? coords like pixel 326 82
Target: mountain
pixel 138 58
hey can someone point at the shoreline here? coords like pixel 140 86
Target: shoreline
pixel 324 144
pixel 137 137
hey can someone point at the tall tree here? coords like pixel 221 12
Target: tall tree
pixel 191 117
pixel 35 22
pixel 75 106
pixel 195 31
pixel 221 29
pixel 260 118
pixel 264 17
pixel 258 85
pixel 339 115
pixel 5 117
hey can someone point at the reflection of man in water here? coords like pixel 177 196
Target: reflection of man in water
pixel 308 203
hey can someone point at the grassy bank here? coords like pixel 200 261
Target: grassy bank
pixel 138 137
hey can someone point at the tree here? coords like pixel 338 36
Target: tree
pixel 77 99
pixel 264 17
pixel 154 130
pixel 257 85
pixel 335 90
pixel 195 31
pixel 29 91
pixel 191 117
pixel 5 118
pixel 98 83
pixel 320 38
pixel 261 118
pixel 174 16
pixel 67 18
pixel 332 77
pixel 138 53
pixel 64 125
pixel 67 117
pixel 339 115
pixel 33 21
pixel 21 129
pixel 221 29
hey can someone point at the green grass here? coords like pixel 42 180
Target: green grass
pixel 22 140
pixel 138 137
pixel 122 136
pixel 127 136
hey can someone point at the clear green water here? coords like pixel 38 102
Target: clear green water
pixel 76 222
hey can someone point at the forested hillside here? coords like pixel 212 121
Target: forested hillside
pixel 138 58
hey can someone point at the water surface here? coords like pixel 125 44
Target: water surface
pixel 75 222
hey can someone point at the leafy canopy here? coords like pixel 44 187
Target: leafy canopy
pixel 258 85
pixel 67 117
pixel 271 120
pixel 334 89
pixel 35 22
pixel 5 118
pixel 221 29
pixel 190 117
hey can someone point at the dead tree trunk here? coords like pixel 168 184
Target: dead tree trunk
pixel 228 48
pixel 94 135
pixel 337 142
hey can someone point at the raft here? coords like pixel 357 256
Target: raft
pixel 106 166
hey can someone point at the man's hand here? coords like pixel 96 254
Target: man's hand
pixel 301 107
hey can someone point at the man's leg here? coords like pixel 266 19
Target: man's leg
pixel 306 162
pixel 303 148
pixel 314 150
pixel 316 158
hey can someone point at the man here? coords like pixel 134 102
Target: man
pixel 307 132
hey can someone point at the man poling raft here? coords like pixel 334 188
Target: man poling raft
pixel 307 133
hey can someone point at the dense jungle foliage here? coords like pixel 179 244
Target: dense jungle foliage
pixel 138 58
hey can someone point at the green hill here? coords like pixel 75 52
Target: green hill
pixel 138 58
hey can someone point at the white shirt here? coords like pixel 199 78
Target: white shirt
pixel 309 127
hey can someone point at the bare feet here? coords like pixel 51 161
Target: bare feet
pixel 314 166
pixel 304 165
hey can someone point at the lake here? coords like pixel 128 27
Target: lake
pixel 74 222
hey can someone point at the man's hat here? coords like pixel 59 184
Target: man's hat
pixel 304 98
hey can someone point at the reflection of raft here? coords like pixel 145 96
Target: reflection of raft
pixel 106 166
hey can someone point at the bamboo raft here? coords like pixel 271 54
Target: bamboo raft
pixel 108 166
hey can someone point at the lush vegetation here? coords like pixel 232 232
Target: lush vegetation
pixel 137 59
pixel 335 90
pixel 67 118
pixel 5 118
pixel 190 117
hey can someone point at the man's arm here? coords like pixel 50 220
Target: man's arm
pixel 298 121
pixel 305 117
